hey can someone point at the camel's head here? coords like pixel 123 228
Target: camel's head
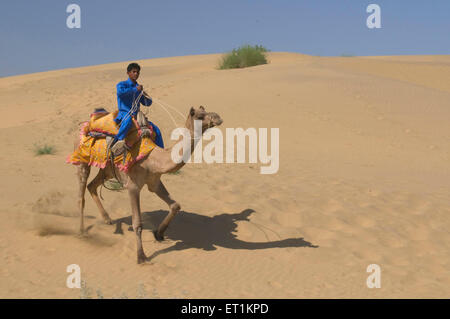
pixel 209 119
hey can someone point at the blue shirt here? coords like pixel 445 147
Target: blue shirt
pixel 126 94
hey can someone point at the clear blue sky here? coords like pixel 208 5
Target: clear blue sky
pixel 34 35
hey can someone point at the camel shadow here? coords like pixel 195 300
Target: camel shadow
pixel 191 230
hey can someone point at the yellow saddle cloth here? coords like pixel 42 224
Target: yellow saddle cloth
pixel 92 150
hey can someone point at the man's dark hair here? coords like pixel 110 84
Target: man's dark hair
pixel 133 66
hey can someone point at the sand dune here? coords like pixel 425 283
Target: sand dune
pixel 364 179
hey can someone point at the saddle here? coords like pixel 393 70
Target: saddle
pixel 96 136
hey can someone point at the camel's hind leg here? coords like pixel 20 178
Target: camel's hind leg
pixel 162 193
pixel 92 187
pixel 83 174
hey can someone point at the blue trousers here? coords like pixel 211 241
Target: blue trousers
pixel 159 139
pixel 126 125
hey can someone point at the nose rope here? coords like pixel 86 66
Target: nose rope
pixel 171 117
pixel 173 108
pixel 160 103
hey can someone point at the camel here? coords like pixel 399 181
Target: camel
pixel 146 172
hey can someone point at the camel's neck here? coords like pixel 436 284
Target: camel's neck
pixel 186 152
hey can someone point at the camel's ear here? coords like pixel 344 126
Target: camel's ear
pixel 192 111
pixel 202 108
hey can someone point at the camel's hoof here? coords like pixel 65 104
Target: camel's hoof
pixel 158 237
pixel 82 234
pixel 141 258
pixel 108 221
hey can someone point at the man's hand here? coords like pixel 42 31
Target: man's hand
pixel 146 95
pixel 139 87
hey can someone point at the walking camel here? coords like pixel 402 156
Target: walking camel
pixel 146 172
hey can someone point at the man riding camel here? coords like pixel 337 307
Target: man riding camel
pixel 127 94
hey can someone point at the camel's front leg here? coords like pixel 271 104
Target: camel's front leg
pixel 134 192
pixel 162 193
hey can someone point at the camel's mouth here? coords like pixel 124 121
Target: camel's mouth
pixel 215 119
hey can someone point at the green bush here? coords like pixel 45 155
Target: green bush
pixel 44 149
pixel 243 57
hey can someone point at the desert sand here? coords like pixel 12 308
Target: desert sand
pixel 364 179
